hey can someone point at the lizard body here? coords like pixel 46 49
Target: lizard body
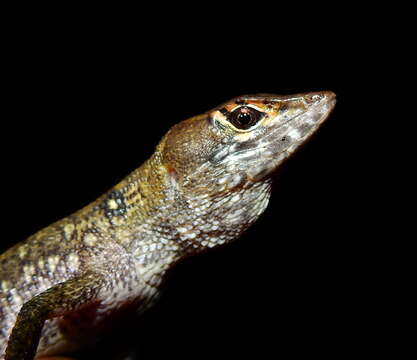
pixel 207 182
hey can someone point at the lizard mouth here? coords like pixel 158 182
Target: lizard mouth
pixel 257 154
pixel 285 136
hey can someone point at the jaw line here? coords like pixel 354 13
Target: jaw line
pixel 275 159
pixel 278 157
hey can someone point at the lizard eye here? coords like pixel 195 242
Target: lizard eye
pixel 244 117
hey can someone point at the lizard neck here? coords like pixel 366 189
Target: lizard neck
pixel 156 220
pixel 135 213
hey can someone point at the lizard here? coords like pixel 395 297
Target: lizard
pixel 208 180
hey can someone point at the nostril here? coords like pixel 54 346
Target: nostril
pixel 309 99
pixel 313 98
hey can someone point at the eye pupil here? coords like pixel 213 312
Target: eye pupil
pixel 244 117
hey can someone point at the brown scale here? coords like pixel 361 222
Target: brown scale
pixel 207 182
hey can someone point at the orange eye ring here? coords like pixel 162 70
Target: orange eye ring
pixel 244 117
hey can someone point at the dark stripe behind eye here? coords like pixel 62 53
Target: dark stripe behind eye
pixel 224 111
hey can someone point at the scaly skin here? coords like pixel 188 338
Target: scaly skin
pixel 207 182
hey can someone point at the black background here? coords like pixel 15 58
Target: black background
pixel 82 116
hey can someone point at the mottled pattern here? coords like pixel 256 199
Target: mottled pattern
pixel 206 183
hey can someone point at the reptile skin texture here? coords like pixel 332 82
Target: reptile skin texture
pixel 208 180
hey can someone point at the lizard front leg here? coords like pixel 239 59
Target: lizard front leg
pixel 59 300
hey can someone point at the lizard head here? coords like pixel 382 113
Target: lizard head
pixel 242 141
pixel 219 164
